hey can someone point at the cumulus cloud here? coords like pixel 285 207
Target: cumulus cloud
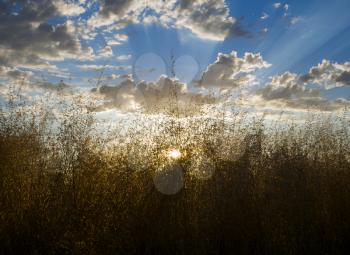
pixel 105 52
pixel 27 39
pixel 207 19
pixel 328 74
pixel 153 97
pixel 343 78
pixel 287 87
pixel 69 7
pixel 293 90
pixel 230 71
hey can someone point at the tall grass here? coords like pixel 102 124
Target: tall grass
pixel 240 187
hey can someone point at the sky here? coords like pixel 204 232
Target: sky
pixel 291 55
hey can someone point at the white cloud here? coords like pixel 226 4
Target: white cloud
pixel 296 20
pixel 286 7
pixel 69 8
pixel 113 42
pixel 149 19
pixel 264 16
pixel 124 57
pixel 117 39
pixel 277 5
pixel 84 31
pixel 121 37
pixel 105 52
pixel 98 67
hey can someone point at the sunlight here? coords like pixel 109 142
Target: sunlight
pixel 174 154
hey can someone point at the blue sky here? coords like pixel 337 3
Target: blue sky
pixel 82 42
pixel 321 31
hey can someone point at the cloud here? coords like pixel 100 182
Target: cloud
pixel 48 86
pixel 153 97
pixel 286 7
pixel 277 5
pixel 288 86
pixel 343 78
pixel 264 16
pixel 295 20
pixel 117 39
pixel 328 74
pixel 149 19
pixel 27 39
pixel 98 67
pixel 121 37
pixel 292 90
pixel 105 52
pixel 230 71
pixel 10 73
pixel 29 92
pixel 207 19
pixel 124 57
pixel 69 7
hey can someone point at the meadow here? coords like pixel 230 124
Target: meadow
pixel 172 186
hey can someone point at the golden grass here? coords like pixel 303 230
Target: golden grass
pixel 238 188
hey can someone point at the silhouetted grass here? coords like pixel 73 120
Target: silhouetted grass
pixel 246 188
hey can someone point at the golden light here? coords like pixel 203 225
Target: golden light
pixel 174 154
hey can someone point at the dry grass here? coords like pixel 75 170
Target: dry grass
pixel 239 187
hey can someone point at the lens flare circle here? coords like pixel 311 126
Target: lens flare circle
pixel 186 68
pixel 169 180
pixel 149 67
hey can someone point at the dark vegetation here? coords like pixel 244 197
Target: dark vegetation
pixel 248 188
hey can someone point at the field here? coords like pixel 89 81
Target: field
pixel 194 186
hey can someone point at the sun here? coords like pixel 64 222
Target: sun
pixel 174 154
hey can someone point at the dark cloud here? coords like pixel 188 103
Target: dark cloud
pixel 230 71
pixel 207 19
pixel 328 74
pixel 344 78
pixel 153 97
pixel 48 86
pixel 115 7
pixel 28 39
pixel 7 73
pixel 290 90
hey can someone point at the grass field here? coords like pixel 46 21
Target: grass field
pixel 201 186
